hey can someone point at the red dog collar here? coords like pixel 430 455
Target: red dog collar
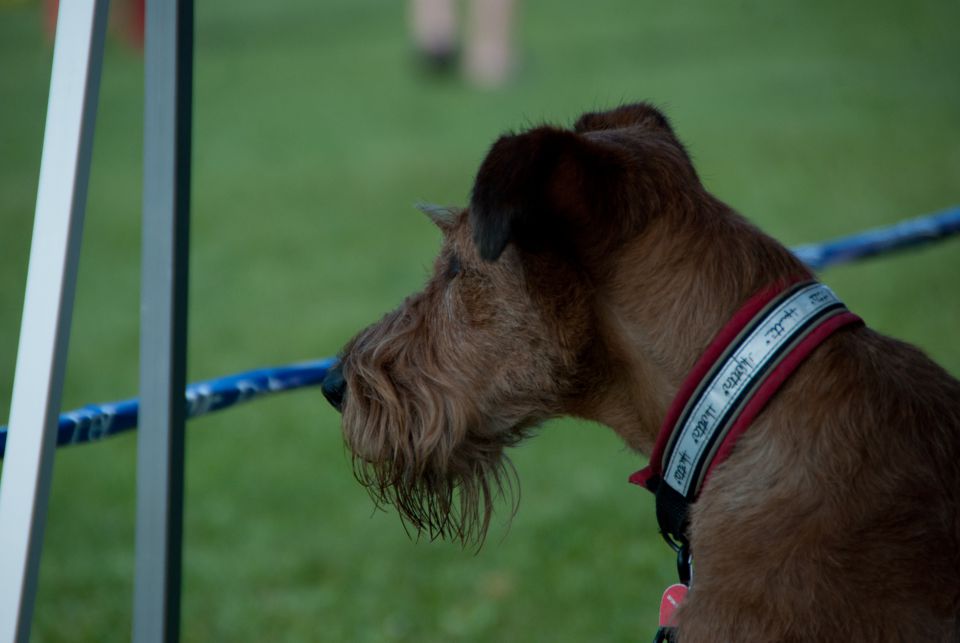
pixel 747 362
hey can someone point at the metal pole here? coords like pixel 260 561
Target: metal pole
pixel 163 319
pixel 48 306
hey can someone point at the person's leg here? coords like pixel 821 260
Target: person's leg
pixel 489 49
pixel 434 29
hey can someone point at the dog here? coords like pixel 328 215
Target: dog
pixel 588 277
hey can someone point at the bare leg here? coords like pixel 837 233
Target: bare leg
pixel 489 54
pixel 433 26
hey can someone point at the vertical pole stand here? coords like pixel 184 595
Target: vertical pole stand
pixel 163 319
pixel 48 307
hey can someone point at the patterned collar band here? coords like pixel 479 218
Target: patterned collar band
pixel 743 367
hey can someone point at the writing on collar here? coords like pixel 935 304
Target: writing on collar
pixel 747 362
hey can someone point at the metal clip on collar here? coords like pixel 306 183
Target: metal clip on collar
pixel 684 564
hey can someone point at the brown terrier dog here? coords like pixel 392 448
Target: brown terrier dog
pixel 589 274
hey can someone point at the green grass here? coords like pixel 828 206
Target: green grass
pixel 314 136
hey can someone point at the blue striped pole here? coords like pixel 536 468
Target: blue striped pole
pixel 906 234
pixel 97 421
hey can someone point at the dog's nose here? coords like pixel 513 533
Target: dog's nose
pixel 334 387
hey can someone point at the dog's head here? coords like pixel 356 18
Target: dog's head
pixel 505 333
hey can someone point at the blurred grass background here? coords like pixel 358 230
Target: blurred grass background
pixel 314 135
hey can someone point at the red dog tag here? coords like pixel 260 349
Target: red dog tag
pixel 673 598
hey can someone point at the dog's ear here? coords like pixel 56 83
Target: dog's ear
pixel 635 115
pixel 443 216
pixel 642 118
pixel 542 189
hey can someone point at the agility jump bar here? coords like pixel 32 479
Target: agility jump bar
pixel 97 421
pixel 906 234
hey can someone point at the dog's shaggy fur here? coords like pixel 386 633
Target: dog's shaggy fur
pixel 587 276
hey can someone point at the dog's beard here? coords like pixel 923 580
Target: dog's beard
pixel 426 457
pixel 454 505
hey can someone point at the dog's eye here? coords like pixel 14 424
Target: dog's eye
pixel 453 268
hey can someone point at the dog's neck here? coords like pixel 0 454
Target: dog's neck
pixel 674 288
pixel 747 362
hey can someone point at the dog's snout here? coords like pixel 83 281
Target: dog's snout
pixel 334 387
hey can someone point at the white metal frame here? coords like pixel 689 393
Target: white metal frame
pixel 48 308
